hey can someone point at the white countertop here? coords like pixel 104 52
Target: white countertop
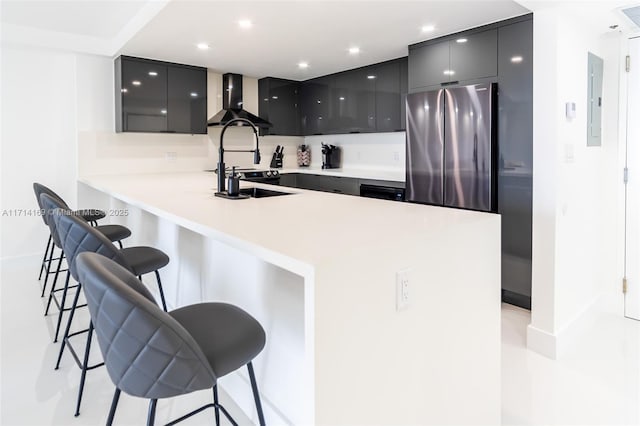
pixel 309 226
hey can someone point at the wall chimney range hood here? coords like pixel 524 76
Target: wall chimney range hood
pixel 232 104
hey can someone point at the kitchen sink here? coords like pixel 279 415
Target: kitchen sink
pixel 261 192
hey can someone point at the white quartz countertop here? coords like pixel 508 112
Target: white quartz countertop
pixel 297 231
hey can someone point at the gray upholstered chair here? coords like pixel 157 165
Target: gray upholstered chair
pixel 77 236
pixel 48 203
pixel 113 232
pixel 153 354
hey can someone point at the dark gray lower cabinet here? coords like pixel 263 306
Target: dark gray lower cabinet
pixel 335 184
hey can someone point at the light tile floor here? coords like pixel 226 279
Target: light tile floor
pixel 596 383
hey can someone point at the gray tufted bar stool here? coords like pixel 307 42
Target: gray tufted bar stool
pixel 153 354
pixel 77 236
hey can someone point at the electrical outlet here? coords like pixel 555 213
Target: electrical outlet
pixel 170 156
pixel 402 290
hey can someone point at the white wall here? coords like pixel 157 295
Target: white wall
pixel 38 143
pixel 575 197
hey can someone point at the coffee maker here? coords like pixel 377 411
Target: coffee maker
pixel 330 156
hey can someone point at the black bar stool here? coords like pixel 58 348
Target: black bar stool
pixel 48 204
pixel 77 237
pixel 152 354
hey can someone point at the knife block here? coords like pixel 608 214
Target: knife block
pixel 276 161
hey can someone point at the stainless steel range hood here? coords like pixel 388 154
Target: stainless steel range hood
pixel 232 104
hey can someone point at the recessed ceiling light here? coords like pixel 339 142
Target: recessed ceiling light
pixel 202 46
pixel 303 65
pixel 153 73
pixel 245 23
pixel 354 50
pixel 461 40
pixel 136 83
pixel 427 28
pixel 193 94
pixel 516 59
pixel 371 77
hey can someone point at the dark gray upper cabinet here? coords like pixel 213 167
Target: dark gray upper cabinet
pixel 316 106
pixel 474 56
pixel 353 101
pixel 159 97
pixel 391 91
pixel 428 65
pixel 187 100
pixel 279 104
pixel 459 58
pixel 404 90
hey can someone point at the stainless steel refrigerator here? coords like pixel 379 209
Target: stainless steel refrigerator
pixel 451 147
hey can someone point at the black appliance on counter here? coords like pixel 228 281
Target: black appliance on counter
pixel 451 147
pixel 382 192
pixel 330 156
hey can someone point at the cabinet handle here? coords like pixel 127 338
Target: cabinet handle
pixel 399 130
pixel 318 134
pixel 355 131
pixel 449 83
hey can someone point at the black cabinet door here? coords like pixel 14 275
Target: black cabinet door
pixel 515 147
pixel 315 105
pixel 429 65
pixel 187 100
pixel 388 97
pixel 474 56
pixel 144 96
pixel 404 90
pixel 278 104
pixel 353 106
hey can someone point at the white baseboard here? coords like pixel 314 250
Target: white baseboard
pixel 542 342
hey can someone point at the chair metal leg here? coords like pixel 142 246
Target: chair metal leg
pixel 164 303
pixel 69 321
pixel 44 257
pixel 120 244
pixel 216 405
pixel 114 405
pixel 46 277
pixel 85 363
pixel 151 418
pixel 62 304
pixel 53 286
pixel 256 395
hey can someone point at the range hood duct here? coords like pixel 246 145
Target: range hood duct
pixel 232 104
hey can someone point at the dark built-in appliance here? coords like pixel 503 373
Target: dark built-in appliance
pixel 382 192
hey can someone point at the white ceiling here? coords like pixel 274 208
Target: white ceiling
pixel 95 18
pixel 318 32
pixel 283 33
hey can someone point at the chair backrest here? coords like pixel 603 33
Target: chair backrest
pixel 40 189
pixel 77 236
pixel 147 353
pixel 49 204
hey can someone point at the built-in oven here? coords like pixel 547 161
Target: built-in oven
pixel 382 192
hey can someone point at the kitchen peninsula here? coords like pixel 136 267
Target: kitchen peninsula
pixel 319 271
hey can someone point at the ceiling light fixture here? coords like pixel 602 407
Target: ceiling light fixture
pixel 136 83
pixel 461 40
pixel 427 28
pixel 245 24
pixel 516 59
pixel 202 46
pixel 303 65
pixel 354 50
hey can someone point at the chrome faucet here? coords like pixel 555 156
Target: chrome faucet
pixel 221 166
